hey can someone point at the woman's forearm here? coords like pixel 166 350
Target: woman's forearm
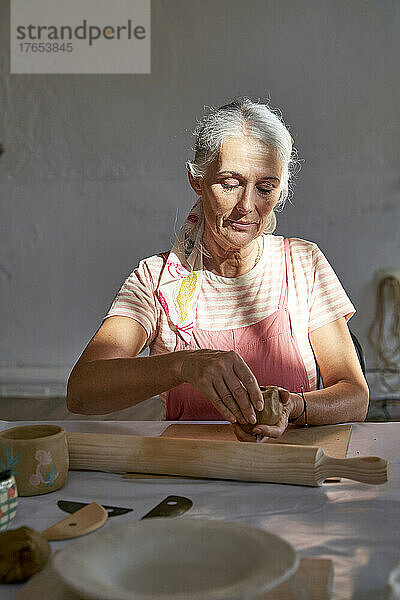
pixel 339 403
pixel 107 385
pixel 103 386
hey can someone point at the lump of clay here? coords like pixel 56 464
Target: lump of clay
pixel 272 410
pixel 23 552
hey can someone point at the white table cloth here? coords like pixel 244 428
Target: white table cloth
pixel 354 524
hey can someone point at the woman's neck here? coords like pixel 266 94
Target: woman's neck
pixel 232 263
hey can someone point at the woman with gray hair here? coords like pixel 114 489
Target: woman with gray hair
pixel 231 307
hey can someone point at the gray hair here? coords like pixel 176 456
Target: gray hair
pixel 239 118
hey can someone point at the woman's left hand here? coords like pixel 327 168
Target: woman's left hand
pixel 291 407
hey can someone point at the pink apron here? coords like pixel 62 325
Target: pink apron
pixel 268 347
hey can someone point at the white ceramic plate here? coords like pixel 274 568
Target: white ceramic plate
pixel 176 559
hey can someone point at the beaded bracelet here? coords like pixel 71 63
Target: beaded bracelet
pixel 304 411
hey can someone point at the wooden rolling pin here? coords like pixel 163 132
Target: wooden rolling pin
pixel 244 461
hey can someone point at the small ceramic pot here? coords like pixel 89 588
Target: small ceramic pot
pixel 37 455
pixel 8 498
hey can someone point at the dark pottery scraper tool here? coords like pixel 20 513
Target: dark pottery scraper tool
pixel 171 506
pixel 71 507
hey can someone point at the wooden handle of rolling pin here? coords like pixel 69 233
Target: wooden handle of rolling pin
pixel 367 469
pixel 243 461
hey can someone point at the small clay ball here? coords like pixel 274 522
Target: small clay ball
pixel 272 410
pixel 23 552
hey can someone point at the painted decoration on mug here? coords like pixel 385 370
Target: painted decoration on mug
pixel 10 461
pixel 44 458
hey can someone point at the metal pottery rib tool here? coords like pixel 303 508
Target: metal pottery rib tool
pixel 171 506
pixel 71 507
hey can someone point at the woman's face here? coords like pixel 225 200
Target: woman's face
pixel 240 191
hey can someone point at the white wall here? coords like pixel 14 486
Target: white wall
pixel 93 174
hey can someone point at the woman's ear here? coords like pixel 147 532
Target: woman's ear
pixel 283 193
pixel 195 183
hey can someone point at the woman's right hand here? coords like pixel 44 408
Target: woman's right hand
pixel 226 380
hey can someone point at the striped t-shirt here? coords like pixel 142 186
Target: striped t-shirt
pixel 315 297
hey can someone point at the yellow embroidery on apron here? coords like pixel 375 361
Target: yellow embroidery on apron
pixel 185 295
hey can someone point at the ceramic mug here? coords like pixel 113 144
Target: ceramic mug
pixel 8 498
pixel 38 457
